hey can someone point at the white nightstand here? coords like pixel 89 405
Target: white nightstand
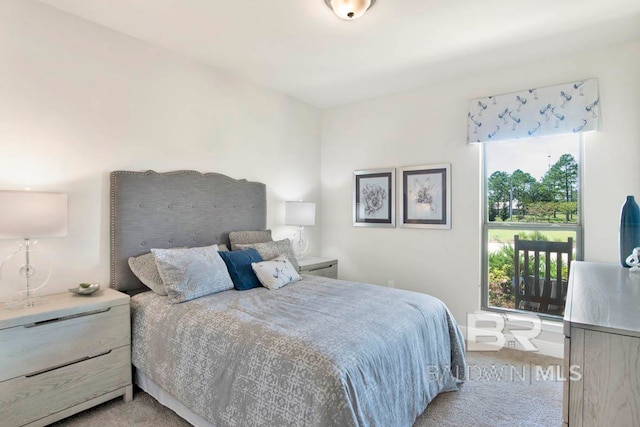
pixel 317 266
pixel 60 358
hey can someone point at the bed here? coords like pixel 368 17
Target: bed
pixel 318 352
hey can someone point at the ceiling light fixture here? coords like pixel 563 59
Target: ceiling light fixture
pixel 349 9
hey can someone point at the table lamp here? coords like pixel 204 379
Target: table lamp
pixel 300 214
pixel 25 215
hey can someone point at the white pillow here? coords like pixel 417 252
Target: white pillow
pixel 192 273
pixel 276 273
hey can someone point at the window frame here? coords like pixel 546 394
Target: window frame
pixel 578 228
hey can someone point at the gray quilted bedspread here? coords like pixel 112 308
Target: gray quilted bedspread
pixel 318 352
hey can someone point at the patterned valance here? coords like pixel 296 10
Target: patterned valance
pixel 566 108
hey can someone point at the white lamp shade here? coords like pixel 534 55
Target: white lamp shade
pixel 27 214
pixel 300 213
pixel 350 9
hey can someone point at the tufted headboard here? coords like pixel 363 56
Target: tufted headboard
pixel 173 209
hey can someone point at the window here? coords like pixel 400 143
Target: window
pixel 532 190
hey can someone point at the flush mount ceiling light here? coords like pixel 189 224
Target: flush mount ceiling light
pixel 349 9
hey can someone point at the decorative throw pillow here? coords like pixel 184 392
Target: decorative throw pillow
pixel 192 273
pixel 145 269
pixel 239 266
pixel 248 237
pixel 276 273
pixel 270 250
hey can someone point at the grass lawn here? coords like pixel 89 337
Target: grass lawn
pixel 552 235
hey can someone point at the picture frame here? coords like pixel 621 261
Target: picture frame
pixel 374 198
pixel 425 193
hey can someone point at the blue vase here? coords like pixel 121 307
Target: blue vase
pixel 629 229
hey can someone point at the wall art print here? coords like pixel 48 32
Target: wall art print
pixel 566 108
pixel 426 196
pixel 374 203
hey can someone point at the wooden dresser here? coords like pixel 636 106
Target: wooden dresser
pixel 63 357
pixel 602 343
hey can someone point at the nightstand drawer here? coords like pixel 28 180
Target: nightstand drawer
pixel 27 399
pixel 330 271
pixel 28 349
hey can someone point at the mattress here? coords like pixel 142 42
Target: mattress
pixel 319 352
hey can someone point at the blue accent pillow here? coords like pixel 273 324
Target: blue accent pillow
pixel 240 270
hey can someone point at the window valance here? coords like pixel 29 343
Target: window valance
pixel 565 108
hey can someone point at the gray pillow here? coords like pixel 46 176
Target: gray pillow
pixel 192 273
pixel 271 250
pixel 248 237
pixel 145 269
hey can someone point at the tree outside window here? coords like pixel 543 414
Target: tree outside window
pixel 532 189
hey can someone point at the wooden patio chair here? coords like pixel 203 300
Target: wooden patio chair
pixel 547 293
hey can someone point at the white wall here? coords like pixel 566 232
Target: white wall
pixel 428 126
pixel 78 100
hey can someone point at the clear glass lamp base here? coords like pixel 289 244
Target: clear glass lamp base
pixel 24 302
pixel 300 243
pixel 23 274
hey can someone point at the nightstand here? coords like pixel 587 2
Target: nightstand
pixel 317 266
pixel 60 358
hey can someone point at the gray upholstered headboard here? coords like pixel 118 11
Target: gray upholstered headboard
pixel 172 209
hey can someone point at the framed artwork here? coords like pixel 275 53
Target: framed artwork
pixel 426 196
pixel 374 202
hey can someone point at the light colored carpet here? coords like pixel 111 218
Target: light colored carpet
pixel 503 390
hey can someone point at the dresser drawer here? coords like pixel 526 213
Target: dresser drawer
pixel 30 348
pixel 29 398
